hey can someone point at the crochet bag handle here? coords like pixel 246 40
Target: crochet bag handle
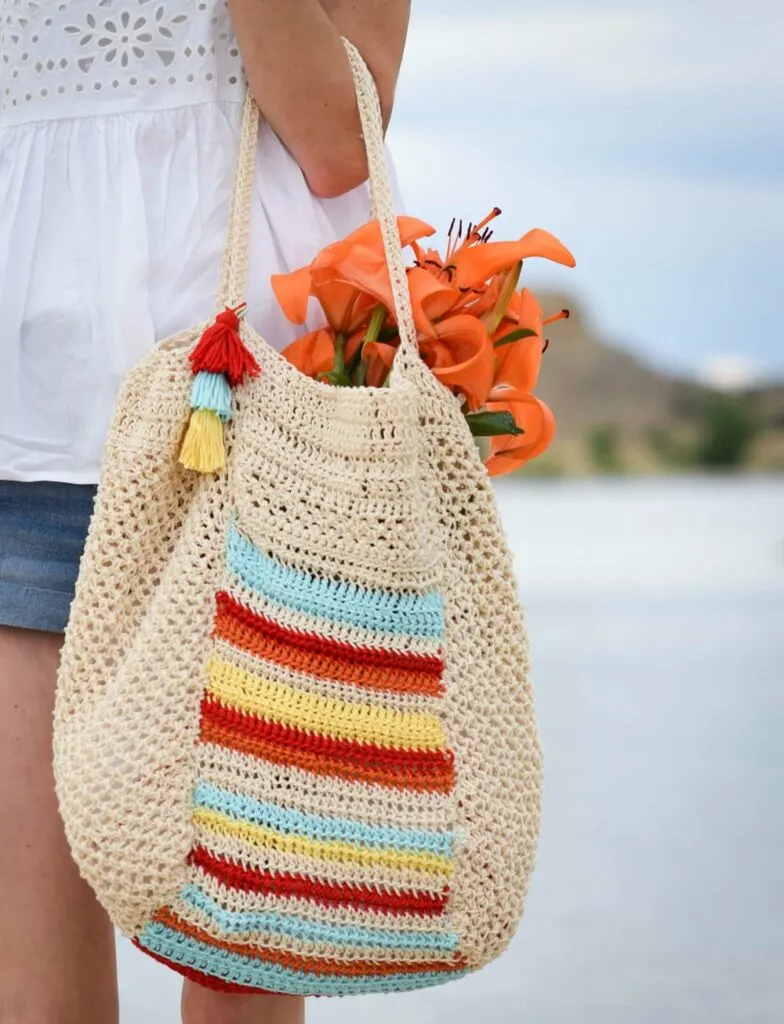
pixel 234 271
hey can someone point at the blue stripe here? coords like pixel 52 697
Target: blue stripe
pixel 383 610
pixel 244 970
pixel 236 922
pixel 245 808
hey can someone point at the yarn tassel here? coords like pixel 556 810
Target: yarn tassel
pixel 221 350
pixel 212 391
pixel 203 450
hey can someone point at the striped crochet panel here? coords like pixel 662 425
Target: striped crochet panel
pixel 323 812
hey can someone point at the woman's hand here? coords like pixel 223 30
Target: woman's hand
pixel 300 77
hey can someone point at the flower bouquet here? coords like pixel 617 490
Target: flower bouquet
pixel 480 335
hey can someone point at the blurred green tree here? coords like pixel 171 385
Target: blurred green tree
pixel 604 447
pixel 728 425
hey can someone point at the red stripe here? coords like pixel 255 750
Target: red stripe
pixel 319 764
pixel 318 645
pixel 205 980
pixel 344 894
pixel 352 751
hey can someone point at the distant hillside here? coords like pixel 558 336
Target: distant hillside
pixel 617 413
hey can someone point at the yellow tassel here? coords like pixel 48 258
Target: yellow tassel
pixel 202 450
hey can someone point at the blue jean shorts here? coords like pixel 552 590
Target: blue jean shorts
pixel 43 527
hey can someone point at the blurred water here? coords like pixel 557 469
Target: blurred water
pixel 656 611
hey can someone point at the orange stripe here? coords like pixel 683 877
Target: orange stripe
pixel 310 965
pixel 440 780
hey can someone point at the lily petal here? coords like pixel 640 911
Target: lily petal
pixel 475 265
pixel 380 357
pixel 312 354
pixel 357 267
pixel 410 230
pixel 461 357
pixel 292 291
pixel 430 299
pixel 509 452
pixel 518 363
pixel 545 245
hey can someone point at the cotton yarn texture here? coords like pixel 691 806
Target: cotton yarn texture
pixel 295 744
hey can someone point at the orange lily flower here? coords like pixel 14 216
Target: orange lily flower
pixel 468 314
pixel 516 373
pixel 461 357
pixel 348 281
pixel 511 451
pixel 293 290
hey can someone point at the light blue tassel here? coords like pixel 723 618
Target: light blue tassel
pixel 212 391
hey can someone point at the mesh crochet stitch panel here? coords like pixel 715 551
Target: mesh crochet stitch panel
pixel 489 713
pixel 123 744
pixel 339 490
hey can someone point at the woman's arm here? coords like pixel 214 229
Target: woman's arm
pixel 299 75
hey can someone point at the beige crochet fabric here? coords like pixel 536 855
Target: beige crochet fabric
pixel 382 488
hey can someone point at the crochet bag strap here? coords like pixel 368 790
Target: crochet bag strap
pixel 234 271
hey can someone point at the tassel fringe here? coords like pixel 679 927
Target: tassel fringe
pixel 221 350
pixel 220 362
pixel 203 450
pixel 212 391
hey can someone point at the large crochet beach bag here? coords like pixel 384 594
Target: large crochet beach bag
pixel 295 745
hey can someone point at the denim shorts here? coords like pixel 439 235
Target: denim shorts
pixel 43 527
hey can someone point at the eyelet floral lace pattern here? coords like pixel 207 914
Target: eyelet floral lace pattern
pixel 53 53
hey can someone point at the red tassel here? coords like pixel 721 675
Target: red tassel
pixel 221 350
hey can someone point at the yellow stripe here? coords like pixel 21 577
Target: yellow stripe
pixel 258 835
pixel 410 730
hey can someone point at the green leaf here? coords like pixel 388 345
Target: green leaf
pixel 522 332
pixel 492 424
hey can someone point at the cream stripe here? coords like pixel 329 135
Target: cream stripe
pixel 323 794
pixel 387 641
pixel 276 702
pixel 323 950
pixel 330 850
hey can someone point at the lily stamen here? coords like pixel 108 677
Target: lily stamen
pixel 563 315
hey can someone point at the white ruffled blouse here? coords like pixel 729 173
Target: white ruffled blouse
pixel 119 127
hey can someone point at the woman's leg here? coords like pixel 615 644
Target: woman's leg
pixel 57 962
pixel 205 1006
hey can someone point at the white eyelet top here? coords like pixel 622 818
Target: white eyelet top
pixel 119 128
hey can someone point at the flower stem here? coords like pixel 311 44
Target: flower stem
pixel 339 366
pixel 337 374
pixel 375 325
pixel 377 319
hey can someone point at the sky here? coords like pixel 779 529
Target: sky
pixel 649 136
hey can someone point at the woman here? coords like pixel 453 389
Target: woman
pixel 118 135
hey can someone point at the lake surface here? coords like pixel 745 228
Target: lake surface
pixel 656 612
